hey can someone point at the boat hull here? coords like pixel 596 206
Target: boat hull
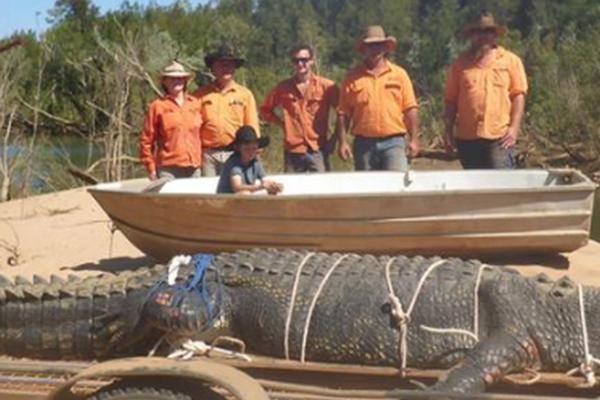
pixel 457 222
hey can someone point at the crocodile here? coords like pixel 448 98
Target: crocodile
pixel 481 322
pixel 478 321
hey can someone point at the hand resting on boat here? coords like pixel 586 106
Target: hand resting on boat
pixel 272 187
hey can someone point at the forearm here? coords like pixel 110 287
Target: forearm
pixel 242 187
pixel 413 123
pixel 449 119
pixel 341 128
pixel 517 109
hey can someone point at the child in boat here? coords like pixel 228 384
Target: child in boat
pixel 243 172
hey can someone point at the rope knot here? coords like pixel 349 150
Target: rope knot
pixel 586 369
pixel 397 312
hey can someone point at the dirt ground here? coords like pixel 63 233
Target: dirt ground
pixel 67 231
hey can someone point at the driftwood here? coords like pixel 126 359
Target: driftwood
pixel 82 175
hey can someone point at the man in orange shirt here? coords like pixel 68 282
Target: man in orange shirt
pixel 378 103
pixel 485 99
pixel 170 144
pixel 305 100
pixel 226 106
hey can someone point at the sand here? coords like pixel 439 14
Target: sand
pixel 67 231
pixel 60 232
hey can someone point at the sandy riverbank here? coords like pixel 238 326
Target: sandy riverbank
pixel 64 231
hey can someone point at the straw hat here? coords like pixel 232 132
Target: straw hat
pixel 375 34
pixel 224 52
pixel 175 70
pixel 484 21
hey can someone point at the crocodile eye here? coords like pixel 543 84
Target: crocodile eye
pixel 386 308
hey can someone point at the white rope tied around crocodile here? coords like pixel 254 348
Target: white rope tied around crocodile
pixel 587 366
pixel 398 312
pixel 288 321
pixel 475 334
pixel 173 267
pixel 313 303
pixel 191 348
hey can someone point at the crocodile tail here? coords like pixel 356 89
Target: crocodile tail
pixel 96 317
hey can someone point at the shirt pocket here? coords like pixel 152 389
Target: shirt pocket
pixel 359 93
pixel 237 109
pixel 394 91
pixel 289 102
pixel 501 78
pixel 207 109
pixel 170 122
pixel 314 104
pixel 469 82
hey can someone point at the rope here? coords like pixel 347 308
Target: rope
pixel 482 267
pixel 313 303
pixel 403 318
pixel 586 368
pixel 286 339
pixel 190 348
pixel 173 267
pixel 475 334
pixel 535 377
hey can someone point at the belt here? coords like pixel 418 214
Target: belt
pixel 380 137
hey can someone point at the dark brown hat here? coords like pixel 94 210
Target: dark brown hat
pixel 485 20
pixel 247 134
pixel 224 52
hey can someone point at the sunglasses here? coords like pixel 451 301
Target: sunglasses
pixel 302 60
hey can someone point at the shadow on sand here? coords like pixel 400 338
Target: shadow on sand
pixel 554 261
pixel 117 264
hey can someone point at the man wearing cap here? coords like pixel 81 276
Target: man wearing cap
pixel 226 106
pixel 305 100
pixel 485 98
pixel 170 145
pixel 243 172
pixel 378 104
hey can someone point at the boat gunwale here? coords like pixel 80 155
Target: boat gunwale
pixel 585 185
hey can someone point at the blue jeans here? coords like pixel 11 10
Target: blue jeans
pixel 484 154
pixel 311 161
pixel 380 154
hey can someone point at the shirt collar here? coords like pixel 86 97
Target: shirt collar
pixel 234 87
pixel 365 70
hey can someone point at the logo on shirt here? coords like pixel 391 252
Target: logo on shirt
pixel 236 102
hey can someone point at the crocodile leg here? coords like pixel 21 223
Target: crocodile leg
pixel 489 361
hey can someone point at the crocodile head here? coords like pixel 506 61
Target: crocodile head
pixel 182 311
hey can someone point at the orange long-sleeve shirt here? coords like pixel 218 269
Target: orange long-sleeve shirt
pixel 224 112
pixel 305 117
pixel 482 95
pixel 171 134
pixel 376 105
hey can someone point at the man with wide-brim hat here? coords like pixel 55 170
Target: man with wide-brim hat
pixel 378 103
pixel 170 145
pixel 225 106
pixel 224 52
pixel 484 98
pixel 243 173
